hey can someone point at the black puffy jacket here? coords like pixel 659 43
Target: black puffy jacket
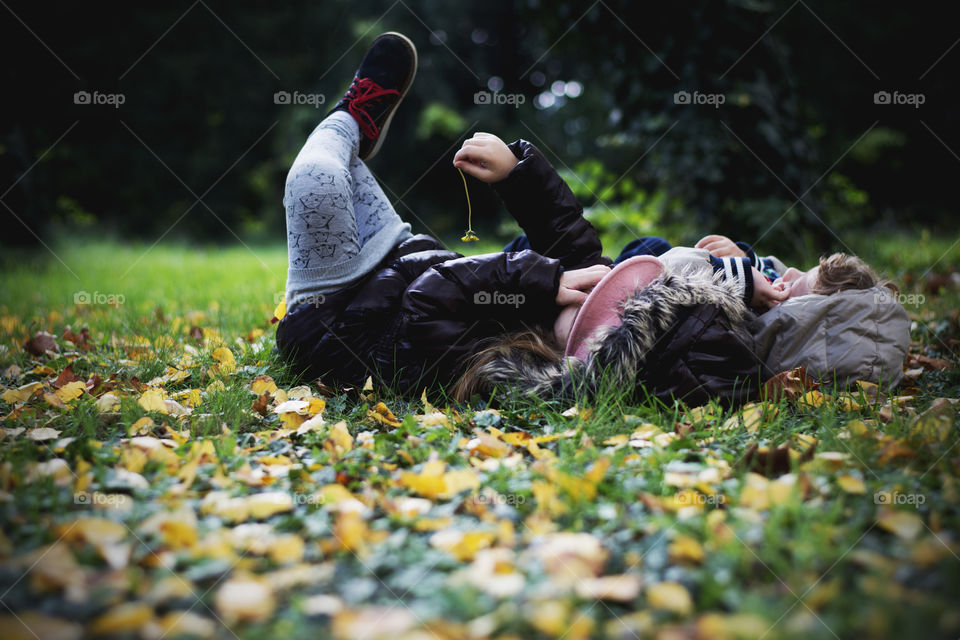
pixel 418 316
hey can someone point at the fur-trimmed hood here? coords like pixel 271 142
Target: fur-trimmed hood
pixel 663 324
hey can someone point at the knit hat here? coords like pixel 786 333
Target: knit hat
pixel 602 306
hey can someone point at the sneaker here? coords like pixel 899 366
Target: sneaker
pixel 382 80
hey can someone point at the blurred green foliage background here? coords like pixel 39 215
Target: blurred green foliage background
pixel 796 159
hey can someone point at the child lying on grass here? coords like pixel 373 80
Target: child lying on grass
pixel 366 297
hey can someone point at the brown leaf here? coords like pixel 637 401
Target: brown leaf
pixel 683 429
pixel 41 343
pixel 260 404
pixel 65 377
pixel 325 389
pixel 196 334
pixel 80 340
pixel 930 364
pixel 789 384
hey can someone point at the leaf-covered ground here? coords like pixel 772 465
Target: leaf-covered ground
pixel 161 477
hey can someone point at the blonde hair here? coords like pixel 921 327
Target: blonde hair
pixel 529 346
pixel 840 272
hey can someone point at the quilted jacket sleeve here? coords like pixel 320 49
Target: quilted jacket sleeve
pixel 548 211
pixel 511 288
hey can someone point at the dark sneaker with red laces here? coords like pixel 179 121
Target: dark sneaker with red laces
pixel 382 80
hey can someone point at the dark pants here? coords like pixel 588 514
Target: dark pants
pixel 647 246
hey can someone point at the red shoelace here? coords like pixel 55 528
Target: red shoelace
pixel 360 93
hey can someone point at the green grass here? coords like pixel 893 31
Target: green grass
pixel 745 551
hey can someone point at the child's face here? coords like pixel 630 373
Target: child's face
pixel 800 282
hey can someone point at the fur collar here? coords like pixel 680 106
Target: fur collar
pixel 620 351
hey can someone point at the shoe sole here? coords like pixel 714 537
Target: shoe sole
pixel 403 92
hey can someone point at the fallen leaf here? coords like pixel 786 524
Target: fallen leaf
pixel 904 524
pixel 382 415
pixel 123 618
pixel 670 596
pixel 851 484
pixel 620 588
pixel 245 598
pixel 41 343
pixel 42 434
pixel 152 400
pixel 789 384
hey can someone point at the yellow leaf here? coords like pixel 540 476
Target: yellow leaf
pixel 382 414
pixel 263 384
pixel 22 394
pixel 315 406
pixel 178 534
pixel 292 420
pixel 339 440
pixel 94 530
pixel 459 480
pixel 225 360
pixel 427 485
pixel 287 548
pixel 904 524
pixel 189 397
pixel 545 495
pixel 188 624
pixel 152 400
pixel 847 403
pixel 281 310
pixel 351 531
pixel 141 427
pixel 264 505
pixel 71 390
pixel 858 428
pixel 463 546
pixel 550 618
pixel 686 549
pixel 123 618
pixel 813 399
pixel 670 596
pixel 851 484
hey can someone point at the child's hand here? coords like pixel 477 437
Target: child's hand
pixel 765 295
pixel 575 283
pixel 486 157
pixel 721 247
